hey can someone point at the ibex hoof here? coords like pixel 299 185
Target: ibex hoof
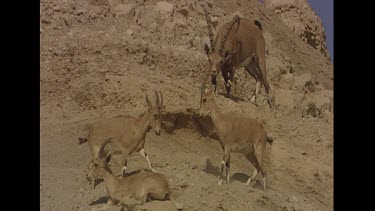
pixel 228 84
pixel 153 170
pixel 109 201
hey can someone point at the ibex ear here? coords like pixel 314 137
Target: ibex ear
pixel 206 49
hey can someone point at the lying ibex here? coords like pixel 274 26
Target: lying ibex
pixel 143 186
pixel 238 45
pixel 128 132
pixel 236 134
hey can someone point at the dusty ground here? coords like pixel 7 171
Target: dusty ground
pixel 98 63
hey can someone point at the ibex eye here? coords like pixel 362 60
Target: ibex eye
pixel 156 116
pixel 204 100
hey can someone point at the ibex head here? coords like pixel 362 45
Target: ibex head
pixel 207 98
pixel 154 112
pixel 217 58
pixel 98 166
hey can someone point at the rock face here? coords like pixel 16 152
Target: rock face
pixel 298 16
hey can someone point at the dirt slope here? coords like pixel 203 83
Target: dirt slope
pixel 98 60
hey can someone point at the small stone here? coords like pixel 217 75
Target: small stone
pixel 164 8
pixel 286 81
pixel 179 206
pixel 301 80
pixel 311 110
pixel 129 32
pixel 49 12
pixel 56 8
pixel 46 21
pixel 67 23
pixel 81 191
pixel 153 26
pixel 80 12
pixel 184 11
pixel 292 199
pixel 215 21
pixel 125 10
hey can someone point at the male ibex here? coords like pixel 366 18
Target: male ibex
pixel 236 134
pixel 242 46
pixel 128 132
pixel 143 186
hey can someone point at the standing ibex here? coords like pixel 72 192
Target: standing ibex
pixel 143 186
pixel 238 45
pixel 128 132
pixel 236 134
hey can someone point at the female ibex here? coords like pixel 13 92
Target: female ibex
pixel 143 186
pixel 236 134
pixel 128 132
pixel 244 46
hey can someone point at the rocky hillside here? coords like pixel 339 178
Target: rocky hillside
pixel 100 57
pixel 298 16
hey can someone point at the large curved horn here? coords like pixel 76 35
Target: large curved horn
pixel 235 20
pixel 161 100
pixel 209 25
pixel 148 102
pixel 157 99
pixel 101 151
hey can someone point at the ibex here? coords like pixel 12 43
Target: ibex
pixel 242 46
pixel 143 186
pixel 236 134
pixel 128 132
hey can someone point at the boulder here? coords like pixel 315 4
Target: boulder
pixel 164 8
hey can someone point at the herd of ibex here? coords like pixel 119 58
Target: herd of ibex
pixel 238 43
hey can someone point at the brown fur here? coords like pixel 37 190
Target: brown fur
pixel 127 132
pixel 142 187
pixel 236 134
pixel 236 47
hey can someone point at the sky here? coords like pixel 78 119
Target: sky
pixel 324 9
